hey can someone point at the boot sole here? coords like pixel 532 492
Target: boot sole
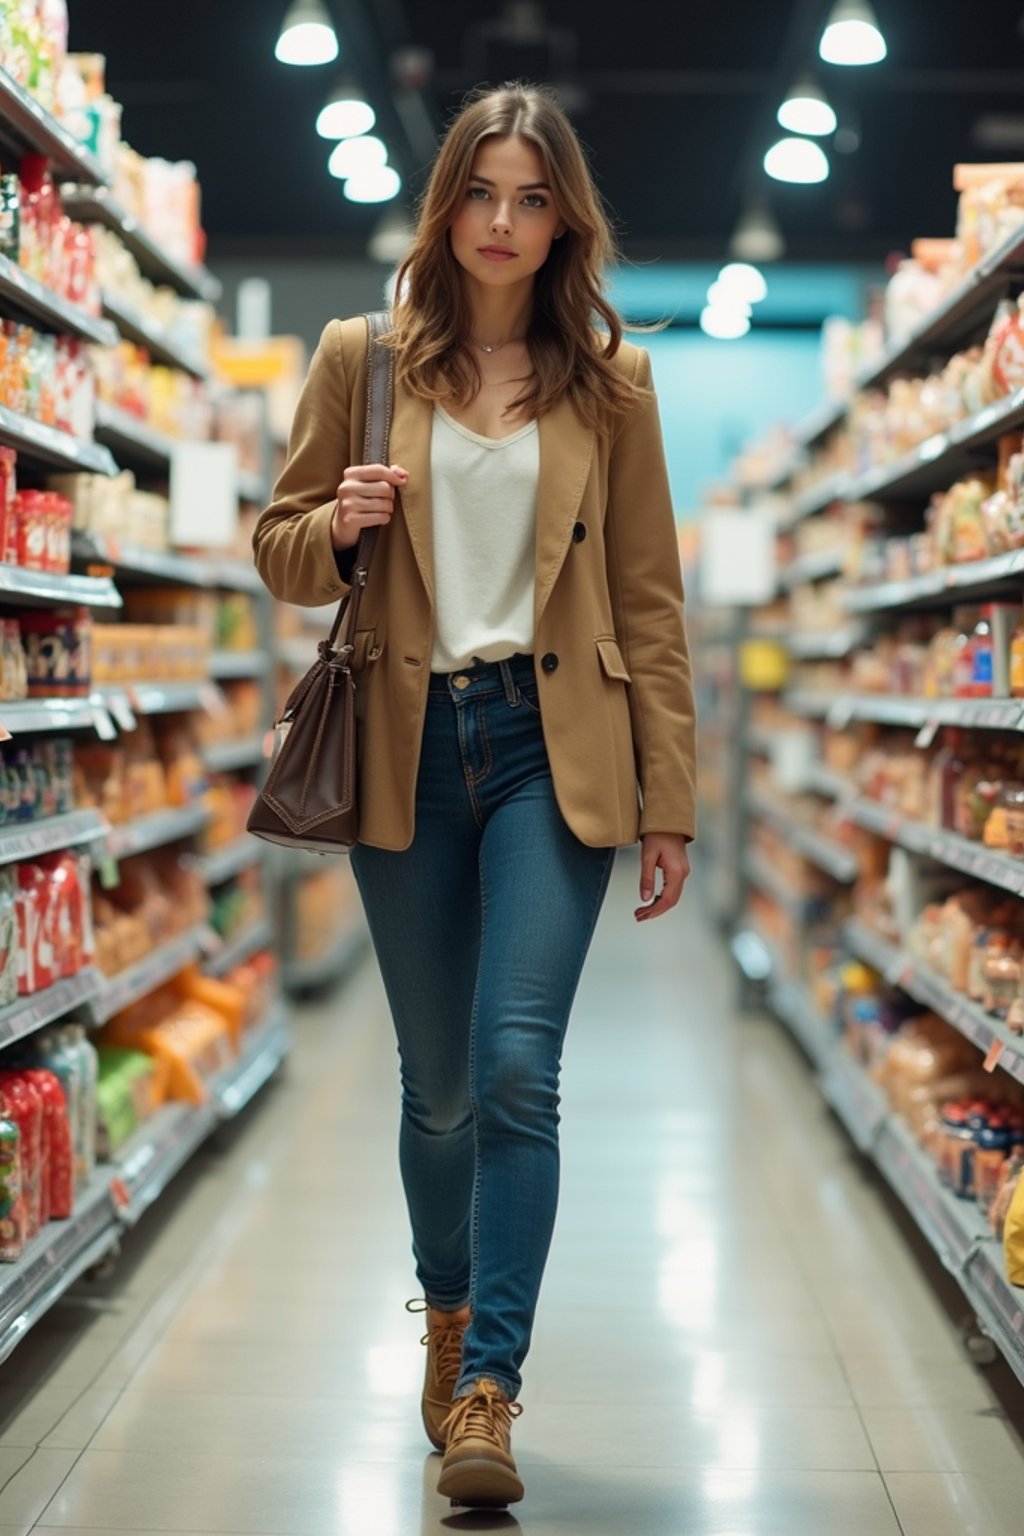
pixel 480 1484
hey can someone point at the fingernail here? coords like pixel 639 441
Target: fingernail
pixel 645 894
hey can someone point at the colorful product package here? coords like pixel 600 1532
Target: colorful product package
pixel 58 1163
pixel 23 1105
pixel 12 1202
pixel 58 652
pixel 8 937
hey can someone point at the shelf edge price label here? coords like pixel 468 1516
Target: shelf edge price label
pixel 120 708
pixel 926 735
pixel 995 1052
pixel 102 723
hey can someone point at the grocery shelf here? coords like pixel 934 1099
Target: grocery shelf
pixel 820 422
pixel 821 780
pixel 936 843
pixel 171 698
pixel 324 970
pixel 234 664
pixel 33 716
pixel 821 851
pixel 156 830
pixel 256 936
pixel 972 578
pixel 954 321
pixel 761 872
pixel 229 756
pixel 121 1190
pixel 830 645
pixel 134 444
pixel 30 839
pixel 940 460
pixel 22 297
pixel 27 1014
pixel 22 586
pixel 50 447
pixel 26 126
pixel 885 709
pixel 227 862
pixel 99 207
pixel 819 496
pixel 133 325
pixel 55 1259
pixel 134 560
pixel 814 567
pixel 928 987
pixel 159 966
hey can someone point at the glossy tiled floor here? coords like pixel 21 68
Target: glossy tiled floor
pixel 735 1339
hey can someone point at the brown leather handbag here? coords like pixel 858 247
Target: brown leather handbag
pixel 309 799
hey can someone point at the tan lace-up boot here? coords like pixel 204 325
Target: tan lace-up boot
pixel 479 1468
pixel 443 1339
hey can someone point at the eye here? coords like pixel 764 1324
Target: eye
pixel 534 200
pixel 478 193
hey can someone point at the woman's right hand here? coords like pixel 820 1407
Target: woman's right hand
pixel 366 497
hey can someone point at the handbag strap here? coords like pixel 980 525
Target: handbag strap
pixel 380 404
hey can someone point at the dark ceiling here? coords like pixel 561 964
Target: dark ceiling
pixel 676 105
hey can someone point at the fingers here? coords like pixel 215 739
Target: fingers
pixel 648 865
pixel 674 877
pixel 392 474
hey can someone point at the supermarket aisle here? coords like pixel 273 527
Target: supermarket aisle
pixel 734 1335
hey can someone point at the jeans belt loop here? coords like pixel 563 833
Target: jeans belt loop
pixel 511 688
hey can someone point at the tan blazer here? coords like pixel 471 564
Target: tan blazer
pixel 612 666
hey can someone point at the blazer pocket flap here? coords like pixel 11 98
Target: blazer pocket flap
pixel 611 659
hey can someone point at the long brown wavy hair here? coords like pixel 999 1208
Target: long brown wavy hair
pixel 432 318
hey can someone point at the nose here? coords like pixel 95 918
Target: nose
pixel 502 220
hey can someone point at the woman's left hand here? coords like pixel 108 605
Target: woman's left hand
pixel 665 851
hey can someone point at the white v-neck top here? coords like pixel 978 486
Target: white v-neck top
pixel 484 495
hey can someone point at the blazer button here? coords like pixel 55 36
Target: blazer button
pixel 579 533
pixel 549 662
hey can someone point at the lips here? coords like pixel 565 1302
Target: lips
pixel 496 253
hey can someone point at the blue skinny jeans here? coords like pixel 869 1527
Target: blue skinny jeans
pixel 481 928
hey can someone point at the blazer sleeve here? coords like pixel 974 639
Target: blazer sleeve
pixel 292 539
pixel 646 584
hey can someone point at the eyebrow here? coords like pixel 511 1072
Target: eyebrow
pixel 531 186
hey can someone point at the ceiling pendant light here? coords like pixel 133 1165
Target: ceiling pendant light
pixel 353 157
pixel 807 110
pixel 740 281
pixel 797 160
pixel 724 324
pixel 345 114
pixel 378 185
pixel 307 35
pixel 852 35
pixel 757 236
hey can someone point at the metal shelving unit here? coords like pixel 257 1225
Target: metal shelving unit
pixel 27 1014
pixel 31 839
pixel 26 126
pixel 133 325
pixel 31 717
pixel 41 587
pixel 831 645
pixel 258 935
pixel 21 296
pixel 821 851
pixel 902 969
pixel 134 444
pixel 840 709
pixel 135 561
pixel 157 830
pixel 231 756
pixel 819 566
pixel 100 207
pixel 232 664
pixel 51 448
pixel 227 862
pixel 955 582
pixel 122 1190
pixel 974 859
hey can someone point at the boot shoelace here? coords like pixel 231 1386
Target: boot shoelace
pixel 485 1414
pixel 447 1341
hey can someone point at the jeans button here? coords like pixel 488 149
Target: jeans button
pixel 461 682
pixel 549 662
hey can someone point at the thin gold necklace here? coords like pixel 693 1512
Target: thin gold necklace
pixel 495 346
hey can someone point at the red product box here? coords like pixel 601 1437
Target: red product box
pixel 23 1105
pixel 58 1149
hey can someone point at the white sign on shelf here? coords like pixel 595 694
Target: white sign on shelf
pixel 737 557
pixel 204 495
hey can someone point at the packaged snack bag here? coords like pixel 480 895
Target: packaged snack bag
pixel 58 1168
pixel 24 1107
pixel 12 1202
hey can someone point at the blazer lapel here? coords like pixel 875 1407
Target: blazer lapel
pixel 410 447
pixel 566 452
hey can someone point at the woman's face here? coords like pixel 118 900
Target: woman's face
pixel 508 220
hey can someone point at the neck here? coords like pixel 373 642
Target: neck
pixel 498 314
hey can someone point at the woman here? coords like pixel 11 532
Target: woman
pixel 522 673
